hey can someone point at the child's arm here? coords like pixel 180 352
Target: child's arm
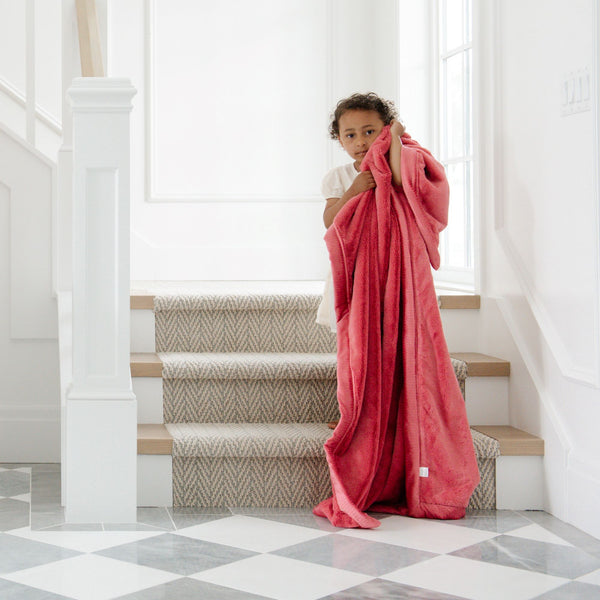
pixel 362 182
pixel 397 129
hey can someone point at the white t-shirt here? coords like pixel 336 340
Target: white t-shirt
pixel 335 183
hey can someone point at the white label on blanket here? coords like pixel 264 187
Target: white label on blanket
pixel 424 472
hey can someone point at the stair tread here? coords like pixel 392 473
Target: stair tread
pixel 255 440
pixel 248 365
pixel 154 439
pixel 483 365
pixel 152 364
pixel 212 297
pixel 146 364
pixel 513 441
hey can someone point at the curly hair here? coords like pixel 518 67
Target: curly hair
pixel 370 101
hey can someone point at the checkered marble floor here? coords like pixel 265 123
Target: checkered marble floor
pixel 284 554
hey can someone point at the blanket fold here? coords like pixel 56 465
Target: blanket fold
pixel 403 443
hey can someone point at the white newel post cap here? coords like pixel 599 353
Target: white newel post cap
pixel 101 94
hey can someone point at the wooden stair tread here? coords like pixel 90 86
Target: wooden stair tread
pixel 482 365
pixel 145 364
pixel 513 442
pixel 154 439
pixel 144 300
pixel 141 301
pixel 148 364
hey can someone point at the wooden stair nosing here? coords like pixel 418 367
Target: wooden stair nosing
pixel 483 365
pixel 513 442
pixel 145 301
pixel 145 364
pixel 154 439
pixel 148 364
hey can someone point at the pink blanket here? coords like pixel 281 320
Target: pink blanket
pixel 403 443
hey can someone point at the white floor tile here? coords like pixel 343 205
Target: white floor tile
pixel 91 577
pixel 84 541
pixel 475 579
pixel 422 534
pixel 251 533
pixel 282 578
pixel 539 534
pixel 593 577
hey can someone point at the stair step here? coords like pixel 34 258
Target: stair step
pixel 483 365
pixel 145 301
pixel 248 365
pixel 149 364
pixel 267 464
pixel 146 364
pixel 513 442
pixel 154 439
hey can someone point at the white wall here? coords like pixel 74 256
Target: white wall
pixel 29 388
pixel 191 219
pixel 540 237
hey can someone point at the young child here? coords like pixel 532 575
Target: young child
pixel 403 443
pixel 357 121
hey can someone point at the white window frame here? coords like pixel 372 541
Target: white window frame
pixel 452 277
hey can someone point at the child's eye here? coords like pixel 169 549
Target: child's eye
pixel 370 131
pixel 350 135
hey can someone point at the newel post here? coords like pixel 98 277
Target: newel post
pixel 101 411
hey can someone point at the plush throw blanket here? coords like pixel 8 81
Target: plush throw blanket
pixel 403 443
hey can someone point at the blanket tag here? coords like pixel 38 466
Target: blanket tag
pixel 424 472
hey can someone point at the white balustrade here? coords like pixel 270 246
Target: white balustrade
pixel 99 458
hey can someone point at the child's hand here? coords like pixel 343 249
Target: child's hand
pixel 362 182
pixel 397 128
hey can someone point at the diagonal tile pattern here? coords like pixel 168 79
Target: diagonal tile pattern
pixel 283 553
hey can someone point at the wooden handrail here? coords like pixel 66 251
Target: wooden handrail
pixel 90 48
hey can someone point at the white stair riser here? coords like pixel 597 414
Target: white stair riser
pixel 142 330
pixel 154 480
pixel 519 483
pixel 461 329
pixel 487 400
pixel 149 393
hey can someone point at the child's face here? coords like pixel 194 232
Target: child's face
pixel 358 130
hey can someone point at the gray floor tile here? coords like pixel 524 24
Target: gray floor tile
pixel 157 517
pixel 132 527
pixel 18 553
pixel 552 559
pixel 568 532
pixel 190 589
pixel 303 521
pixel 251 511
pixel 45 488
pixel 186 517
pixel 14 483
pixel 49 517
pixel 353 554
pixel 176 554
pixel 575 590
pixel 13 514
pixel 16 591
pixel 76 527
pixel 499 521
pixel 378 589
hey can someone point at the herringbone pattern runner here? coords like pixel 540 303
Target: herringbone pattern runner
pixel 249 382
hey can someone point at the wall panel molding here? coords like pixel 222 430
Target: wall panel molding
pixel 197 196
pixel 30 179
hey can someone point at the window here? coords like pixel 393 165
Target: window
pixel 455 75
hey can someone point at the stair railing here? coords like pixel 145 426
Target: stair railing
pixel 99 411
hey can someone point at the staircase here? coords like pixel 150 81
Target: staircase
pixel 235 384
